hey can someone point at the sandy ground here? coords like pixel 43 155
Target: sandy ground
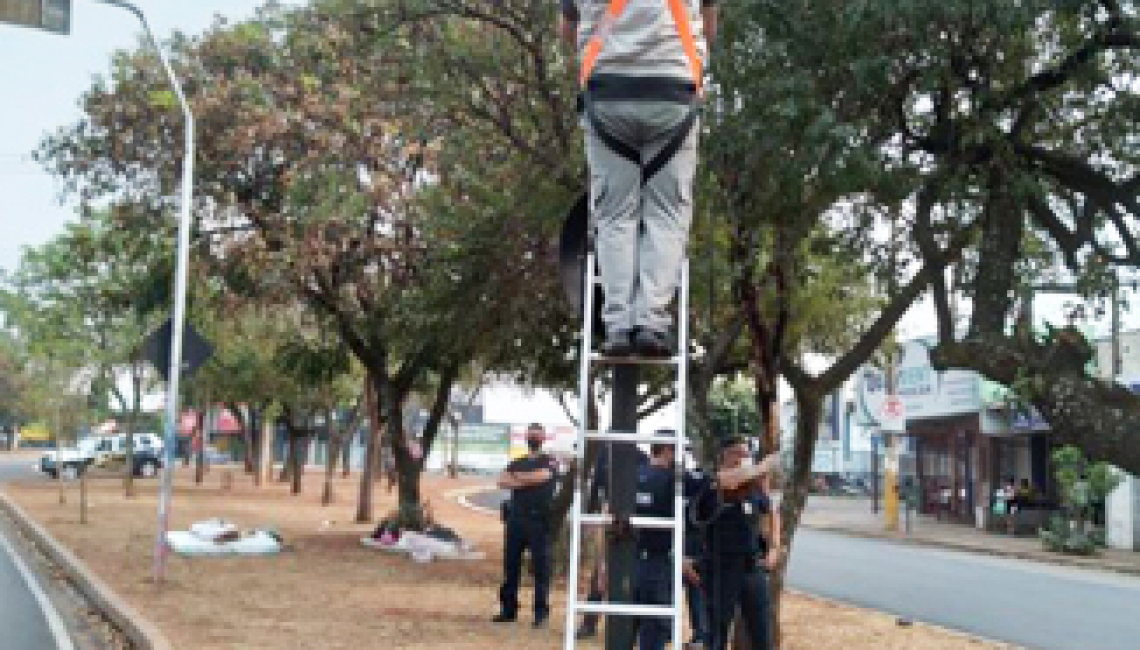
pixel 327 591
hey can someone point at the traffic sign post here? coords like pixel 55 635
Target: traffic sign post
pixel 893 417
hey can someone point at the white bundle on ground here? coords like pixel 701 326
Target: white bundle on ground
pixel 212 530
pixel 219 537
pixel 425 548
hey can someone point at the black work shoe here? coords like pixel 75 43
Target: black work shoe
pixel 540 620
pixel 618 344
pixel 649 343
pixel 503 618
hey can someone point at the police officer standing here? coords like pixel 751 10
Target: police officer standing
pixel 531 480
pixel 736 555
pixel 654 573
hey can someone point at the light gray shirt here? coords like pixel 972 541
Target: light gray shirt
pixel 644 41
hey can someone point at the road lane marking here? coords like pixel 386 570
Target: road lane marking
pixel 55 623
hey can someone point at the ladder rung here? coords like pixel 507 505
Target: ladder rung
pixel 623 609
pixel 636 522
pixel 634 360
pixel 625 436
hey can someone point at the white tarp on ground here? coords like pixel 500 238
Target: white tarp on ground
pixel 219 537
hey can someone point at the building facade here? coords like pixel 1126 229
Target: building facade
pixel 1122 509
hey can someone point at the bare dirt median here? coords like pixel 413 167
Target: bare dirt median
pixel 327 591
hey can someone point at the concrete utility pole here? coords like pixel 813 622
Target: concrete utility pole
pixel 180 281
pixel 621 546
pixel 891 479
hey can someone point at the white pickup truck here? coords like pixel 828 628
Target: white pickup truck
pixel 104 451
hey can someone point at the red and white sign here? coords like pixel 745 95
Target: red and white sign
pixel 893 417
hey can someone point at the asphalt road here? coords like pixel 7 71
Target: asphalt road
pixel 1026 603
pixel 23 622
pixel 20 467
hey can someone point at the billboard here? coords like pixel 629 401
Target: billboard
pixel 51 15
pixel 484 447
pixel 924 391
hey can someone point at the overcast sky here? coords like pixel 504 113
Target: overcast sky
pixel 44 75
pixel 41 78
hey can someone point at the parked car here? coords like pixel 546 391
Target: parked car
pixel 105 451
pixel 73 460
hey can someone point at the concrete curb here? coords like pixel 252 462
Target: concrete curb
pixel 142 633
pixel 1059 560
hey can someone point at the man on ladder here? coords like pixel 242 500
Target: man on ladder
pixel 641 71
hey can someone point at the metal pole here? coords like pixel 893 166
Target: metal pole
pixel 180 279
pixel 875 471
pixel 1117 364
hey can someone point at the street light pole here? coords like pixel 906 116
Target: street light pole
pixel 180 281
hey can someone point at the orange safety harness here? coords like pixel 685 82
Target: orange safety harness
pixel 646 87
pixel 613 12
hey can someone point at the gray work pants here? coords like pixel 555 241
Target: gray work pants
pixel 641 232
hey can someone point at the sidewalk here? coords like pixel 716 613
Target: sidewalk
pixel 853 516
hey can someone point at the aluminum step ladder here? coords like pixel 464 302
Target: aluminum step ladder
pixel 676 523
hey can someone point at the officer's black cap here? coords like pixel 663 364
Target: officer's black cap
pixel 731 441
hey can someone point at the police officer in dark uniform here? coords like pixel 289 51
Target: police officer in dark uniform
pixel 531 480
pixel 736 555
pixel 654 572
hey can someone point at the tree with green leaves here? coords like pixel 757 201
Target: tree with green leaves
pixel 84 297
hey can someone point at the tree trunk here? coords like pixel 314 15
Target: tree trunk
pixel 296 452
pixel 809 410
pixel 248 427
pixel 132 420
pixel 453 451
pixel 700 420
pixel 287 466
pixel 364 500
pixel 410 512
pixel 346 451
pixel 409 468
pixel 331 454
pixel 255 450
pixel 200 452
pixel 265 450
pixel 410 508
